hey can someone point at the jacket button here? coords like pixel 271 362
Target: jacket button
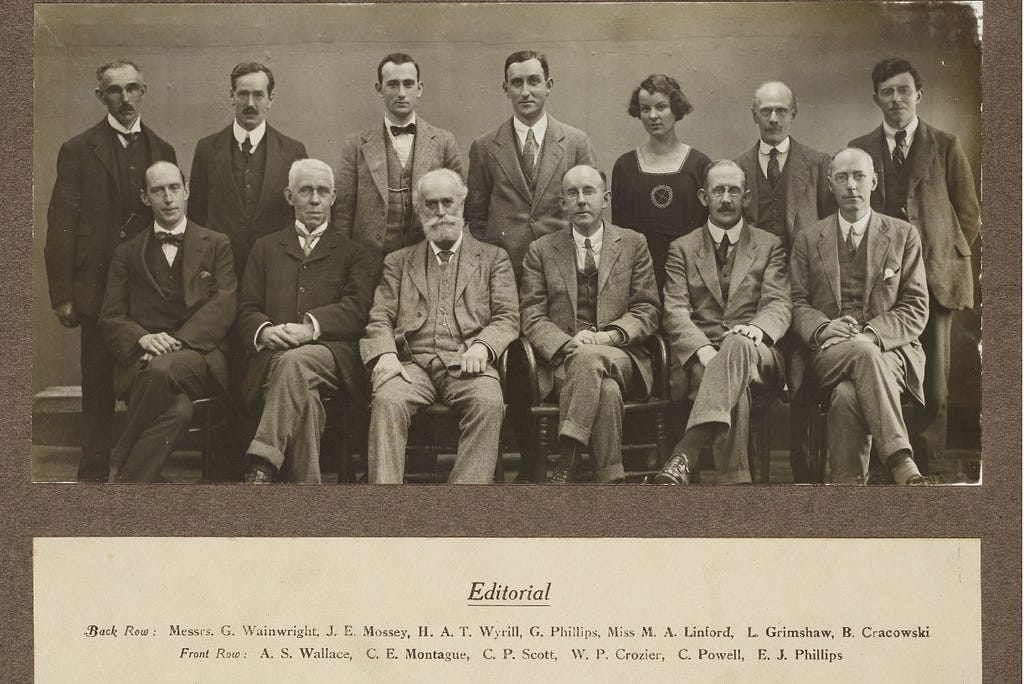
pixel 302 289
pixel 122 234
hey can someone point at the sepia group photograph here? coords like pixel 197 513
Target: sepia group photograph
pixel 652 243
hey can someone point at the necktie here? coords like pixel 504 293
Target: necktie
pixel 247 145
pixel 130 138
pixel 445 255
pixel 897 152
pixel 529 156
pixel 168 238
pixel 722 253
pixel 308 240
pixel 850 246
pixel 409 129
pixel 589 262
pixel 773 166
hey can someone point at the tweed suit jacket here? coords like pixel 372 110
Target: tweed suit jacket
pixel 941 203
pixel 84 224
pixel 896 301
pixel 216 203
pixel 501 208
pixel 134 305
pixel 627 296
pixel 361 209
pixel 697 314
pixel 334 284
pixel 485 300
pixel 808 198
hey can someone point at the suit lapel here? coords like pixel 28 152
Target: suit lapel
pixel 708 267
pixel 878 246
pixel 274 154
pixel 102 147
pixel 799 180
pixel 753 170
pixel 610 251
pixel 566 247
pixel 552 152
pixel 508 159
pixel 140 258
pixel 742 259
pixel 879 150
pixel 920 157
pixel 192 255
pixel 290 244
pixel 418 267
pixel 424 146
pixel 221 156
pixel 828 245
pixel 376 156
pixel 469 264
pixel 324 246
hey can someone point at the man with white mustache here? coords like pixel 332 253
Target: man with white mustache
pixel 445 310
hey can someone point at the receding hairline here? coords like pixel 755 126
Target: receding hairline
pixel 775 84
pixel 720 163
pixel 160 164
pixel 857 150
pixel 308 164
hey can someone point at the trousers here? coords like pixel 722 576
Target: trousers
pixel 477 399
pixel 928 422
pixel 97 404
pixel 293 417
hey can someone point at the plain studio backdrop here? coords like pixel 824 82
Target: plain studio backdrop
pixel 324 59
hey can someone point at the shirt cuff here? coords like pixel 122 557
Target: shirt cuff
pixel 256 338
pixel 624 338
pixel 815 342
pixel 491 356
pixel 310 318
pixel 878 340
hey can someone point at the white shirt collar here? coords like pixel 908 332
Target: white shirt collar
pixel 733 233
pixel 453 249
pixel 539 129
pixel 299 226
pixel 255 135
pixel 116 125
pixel 178 229
pixel 595 240
pixel 890 132
pixel 782 147
pixel 858 226
pixel 388 123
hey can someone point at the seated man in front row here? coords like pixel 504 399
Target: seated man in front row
pixel 445 310
pixel 305 296
pixel 170 299
pixel 859 304
pixel 726 304
pixel 590 302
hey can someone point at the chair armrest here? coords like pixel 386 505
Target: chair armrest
pixel 523 382
pixel 658 349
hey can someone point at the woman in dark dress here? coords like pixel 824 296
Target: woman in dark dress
pixel 654 187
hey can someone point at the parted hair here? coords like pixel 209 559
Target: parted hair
pixel 660 83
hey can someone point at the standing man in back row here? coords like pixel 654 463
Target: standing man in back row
pixel 789 192
pixel 96 205
pixel 239 174
pixel 381 165
pixel 515 170
pixel 925 178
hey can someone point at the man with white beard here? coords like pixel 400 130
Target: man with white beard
pixel 445 310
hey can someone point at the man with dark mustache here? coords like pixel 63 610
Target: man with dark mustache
pixel 97 204
pixel 925 178
pixel 444 311
pixel 727 304
pixel 860 303
pixel 381 165
pixel 789 192
pixel 514 171
pixel 239 174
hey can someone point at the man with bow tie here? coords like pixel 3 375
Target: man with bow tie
pixel 860 303
pixel 239 173
pixel 925 179
pixel 589 304
pixel 96 204
pixel 445 310
pixel 727 305
pixel 304 300
pixel 169 302
pixel 381 165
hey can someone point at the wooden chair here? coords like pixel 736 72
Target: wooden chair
pixel 209 419
pixel 536 421
pixel 434 431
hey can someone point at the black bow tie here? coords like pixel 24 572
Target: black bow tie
pixel 167 238
pixel 399 130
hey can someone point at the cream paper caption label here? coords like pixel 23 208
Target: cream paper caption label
pixel 517 610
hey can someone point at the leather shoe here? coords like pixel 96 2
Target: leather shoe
pixel 675 472
pixel 917 480
pixel 257 474
pixel 570 450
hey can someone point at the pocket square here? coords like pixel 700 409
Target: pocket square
pixel 889 274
